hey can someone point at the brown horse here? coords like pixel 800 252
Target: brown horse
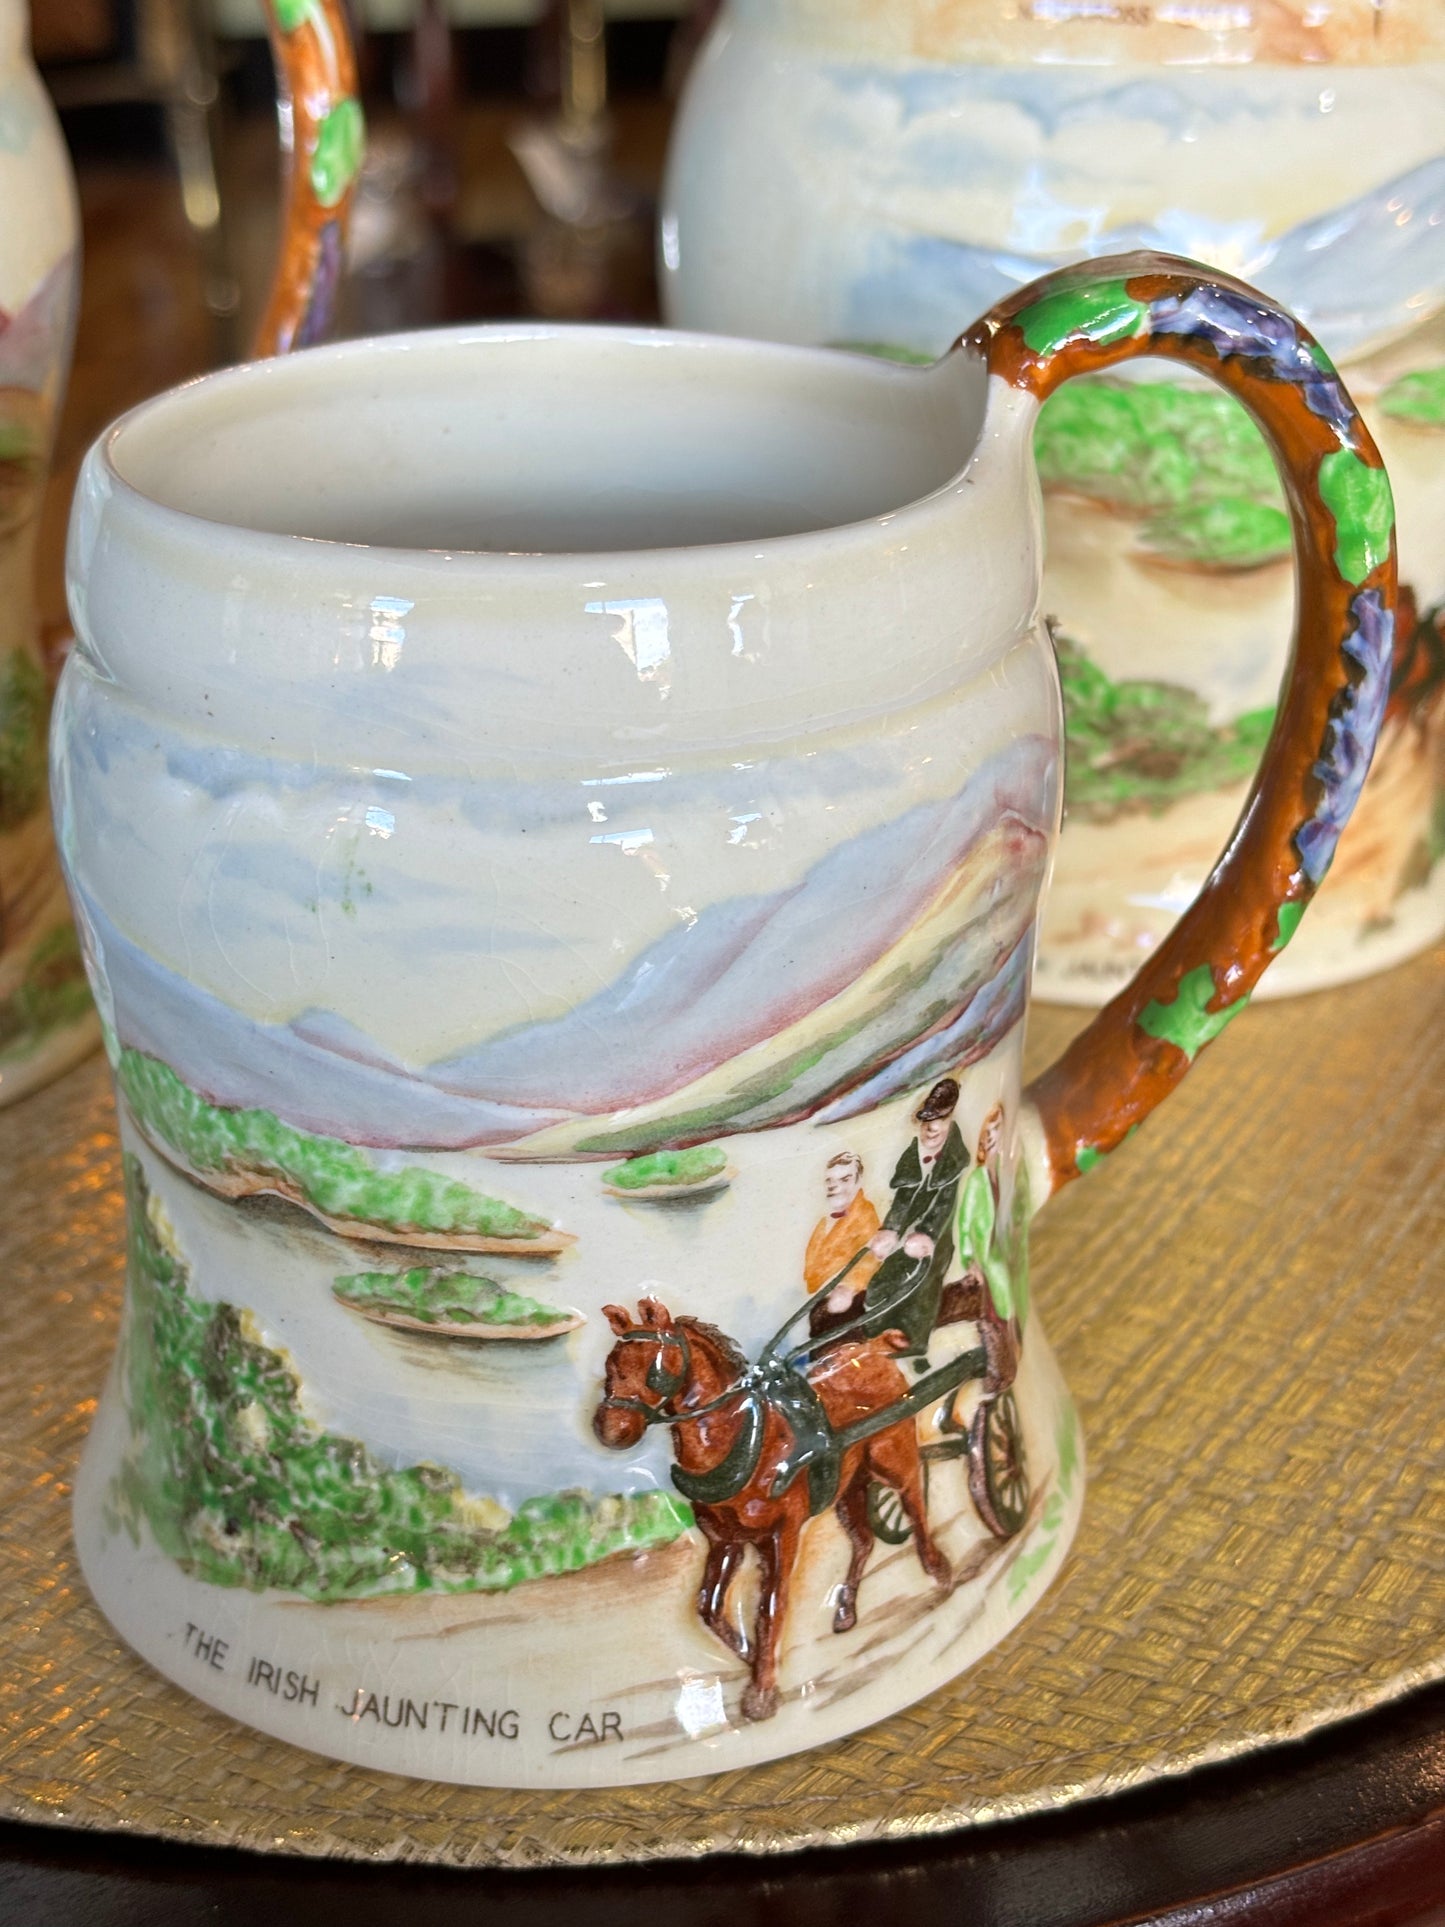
pixel 662 1368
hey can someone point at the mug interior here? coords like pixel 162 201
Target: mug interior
pixel 544 440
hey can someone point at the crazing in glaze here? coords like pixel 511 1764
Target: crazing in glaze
pixel 893 167
pixel 595 1158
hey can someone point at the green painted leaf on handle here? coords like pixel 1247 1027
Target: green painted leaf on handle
pixel 340 140
pixel 291 13
pixel 1102 312
pixel 1287 921
pixel 1359 499
pixel 1186 1022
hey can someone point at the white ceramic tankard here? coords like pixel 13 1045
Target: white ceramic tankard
pixel 557 821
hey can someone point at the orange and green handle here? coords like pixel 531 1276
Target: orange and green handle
pixel 324 135
pixel 1084 320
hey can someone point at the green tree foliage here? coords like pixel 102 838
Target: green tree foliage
pixel 339 1180
pixel 1135 745
pixel 24 711
pixel 1188 461
pixel 436 1297
pixel 51 994
pixel 241 1488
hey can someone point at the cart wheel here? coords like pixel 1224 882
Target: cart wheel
pixel 998 1477
pixel 886 1516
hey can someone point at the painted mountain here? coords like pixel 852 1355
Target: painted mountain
pixel 1039 141
pixel 898 954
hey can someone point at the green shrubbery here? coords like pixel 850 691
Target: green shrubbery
pixel 1188 461
pixel 24 710
pixel 1143 745
pixel 51 994
pixel 1417 398
pixel 694 1166
pixel 241 1488
pixel 443 1298
pixel 339 1180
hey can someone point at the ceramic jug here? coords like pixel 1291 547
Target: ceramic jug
pixel 848 171
pixel 558 820
pixel 46 1017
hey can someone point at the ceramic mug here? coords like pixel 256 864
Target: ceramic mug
pixel 558 820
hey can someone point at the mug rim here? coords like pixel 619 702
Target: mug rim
pixel 843 364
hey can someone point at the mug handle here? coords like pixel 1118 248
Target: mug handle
pixel 323 136
pixel 1084 319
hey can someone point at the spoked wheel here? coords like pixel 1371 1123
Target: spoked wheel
pixel 998 1475
pixel 886 1516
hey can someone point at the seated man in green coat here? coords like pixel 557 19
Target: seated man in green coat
pixel 915 1240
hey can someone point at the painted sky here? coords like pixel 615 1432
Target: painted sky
pixel 746 970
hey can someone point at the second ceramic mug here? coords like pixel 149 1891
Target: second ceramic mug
pixel 558 820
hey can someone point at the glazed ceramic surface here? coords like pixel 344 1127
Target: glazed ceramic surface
pixel 565 982
pixel 852 172
pixel 46 1020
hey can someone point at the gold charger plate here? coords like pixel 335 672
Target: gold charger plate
pixel 1246 1303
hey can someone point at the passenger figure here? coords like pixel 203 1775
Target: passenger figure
pixel 843 1231
pixel 1003 1295
pixel 978 1212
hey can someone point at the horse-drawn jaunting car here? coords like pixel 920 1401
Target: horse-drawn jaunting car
pixel 830 1420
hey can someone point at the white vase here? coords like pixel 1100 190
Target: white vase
pixel 46 1018
pixel 855 172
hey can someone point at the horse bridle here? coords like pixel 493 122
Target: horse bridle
pixel 661 1378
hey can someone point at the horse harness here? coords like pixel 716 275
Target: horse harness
pixel 777 1380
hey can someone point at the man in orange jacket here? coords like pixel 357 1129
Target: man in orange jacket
pixel 844 1230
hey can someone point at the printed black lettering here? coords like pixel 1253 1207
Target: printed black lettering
pixel 301 1689
pixel 406 1712
pixel 587 1730
pixel 205 1647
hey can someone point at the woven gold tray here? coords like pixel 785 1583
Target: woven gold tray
pixel 1246 1301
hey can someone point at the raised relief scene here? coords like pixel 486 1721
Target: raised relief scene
pixel 1167 522
pixel 694 1315
pixel 961 158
